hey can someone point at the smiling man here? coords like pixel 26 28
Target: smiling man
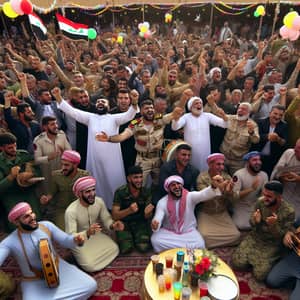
pixel 23 244
pixel 132 205
pixel 174 223
pixel 271 219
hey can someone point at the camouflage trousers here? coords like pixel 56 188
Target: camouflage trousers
pixel 261 256
pixel 7 285
pixel 135 235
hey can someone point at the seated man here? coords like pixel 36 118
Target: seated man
pixel 214 221
pixel 287 270
pixel 23 244
pixel 271 218
pixel 174 223
pixel 248 184
pixel 132 205
pixel 61 194
pixel 181 166
pixel 83 215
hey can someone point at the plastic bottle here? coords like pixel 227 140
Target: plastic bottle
pixel 185 274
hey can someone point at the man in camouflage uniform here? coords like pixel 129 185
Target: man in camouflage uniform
pixel 16 167
pixel 271 219
pixel 132 205
pixel 241 133
pixel 148 131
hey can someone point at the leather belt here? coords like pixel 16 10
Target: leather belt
pixel 152 154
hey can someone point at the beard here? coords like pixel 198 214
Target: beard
pixel 27 118
pixel 148 117
pixel 101 111
pixel 255 168
pixel 189 71
pixel 28 227
pixel 67 173
pixel 177 194
pixel 88 200
pixel 161 95
pixel 243 118
pixel 196 112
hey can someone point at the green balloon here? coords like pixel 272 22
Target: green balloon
pixel 92 33
pixel 256 14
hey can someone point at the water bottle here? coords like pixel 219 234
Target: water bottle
pixel 185 274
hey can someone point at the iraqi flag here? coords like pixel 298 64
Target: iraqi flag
pixel 74 31
pixel 37 26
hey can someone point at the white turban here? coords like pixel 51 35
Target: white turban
pixel 170 179
pixel 211 72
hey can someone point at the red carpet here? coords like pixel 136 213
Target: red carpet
pixel 123 279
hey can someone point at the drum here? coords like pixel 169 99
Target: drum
pixel 170 150
pixel 221 287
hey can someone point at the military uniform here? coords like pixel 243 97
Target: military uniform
pixel 43 146
pixel 137 229
pixel 214 222
pixel 261 247
pixel 148 144
pixel 11 192
pixel 61 190
pixel 237 142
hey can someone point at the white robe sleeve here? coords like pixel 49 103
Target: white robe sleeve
pixel 77 114
pixel 160 213
pixel 217 121
pixel 203 195
pixel 122 118
pixel 179 123
pixel 4 251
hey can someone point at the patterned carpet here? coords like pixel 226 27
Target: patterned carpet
pixel 123 278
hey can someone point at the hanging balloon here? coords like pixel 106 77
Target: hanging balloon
pixel 140 25
pixel 296 23
pixel 8 11
pixel 26 7
pixel 120 39
pixel 261 10
pixel 16 6
pixel 92 33
pixel 141 34
pixel 256 14
pixel 147 34
pixel 144 29
pixel 284 32
pixel 293 35
pixel 289 18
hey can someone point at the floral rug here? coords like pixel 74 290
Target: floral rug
pixel 123 279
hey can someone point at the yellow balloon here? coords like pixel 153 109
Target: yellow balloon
pixel 120 39
pixel 8 11
pixel 144 29
pixel 289 18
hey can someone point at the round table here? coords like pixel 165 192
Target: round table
pixel 150 286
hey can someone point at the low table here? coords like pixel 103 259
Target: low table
pixel 150 286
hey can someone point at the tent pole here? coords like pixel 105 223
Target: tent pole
pixel 276 13
pixel 211 19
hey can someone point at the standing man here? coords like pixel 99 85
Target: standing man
pixel 214 222
pixel 148 132
pixel 248 184
pixel 132 205
pixel 84 216
pixel 16 167
pixel 271 218
pixel 196 131
pixel 174 223
pixel 273 138
pixel 180 166
pixel 103 160
pixel 48 147
pixel 23 244
pixel 61 194
pixel 241 133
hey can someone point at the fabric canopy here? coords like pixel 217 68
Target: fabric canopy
pixel 96 3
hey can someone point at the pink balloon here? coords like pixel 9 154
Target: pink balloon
pixel 293 34
pixel 296 23
pixel 147 34
pixel 16 6
pixel 284 32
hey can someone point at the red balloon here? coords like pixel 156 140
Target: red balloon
pixel 26 6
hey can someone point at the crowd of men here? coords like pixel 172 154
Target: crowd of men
pixel 177 141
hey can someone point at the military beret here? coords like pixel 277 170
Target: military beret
pixel 274 186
